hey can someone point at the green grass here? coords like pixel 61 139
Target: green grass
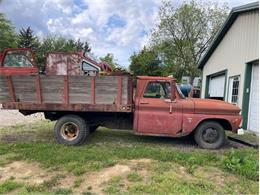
pixel 106 148
pixel 8 186
pixel 134 177
pixel 113 186
pixel 45 186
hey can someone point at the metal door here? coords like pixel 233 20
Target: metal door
pixel 156 113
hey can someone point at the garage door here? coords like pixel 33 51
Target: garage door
pixel 217 87
pixel 253 114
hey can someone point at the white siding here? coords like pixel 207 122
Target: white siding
pixel 239 45
pixel 253 114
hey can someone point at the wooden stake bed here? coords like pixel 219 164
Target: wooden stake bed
pixel 66 93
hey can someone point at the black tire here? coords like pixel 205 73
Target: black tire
pixel 93 128
pixel 210 135
pixel 71 130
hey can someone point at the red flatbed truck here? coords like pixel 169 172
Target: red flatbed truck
pixel 81 103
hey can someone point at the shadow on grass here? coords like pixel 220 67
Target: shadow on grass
pixel 43 132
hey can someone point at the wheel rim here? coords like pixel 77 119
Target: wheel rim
pixel 69 131
pixel 210 135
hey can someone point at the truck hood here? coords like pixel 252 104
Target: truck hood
pixel 209 106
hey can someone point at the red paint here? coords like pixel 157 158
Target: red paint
pixel 18 70
pixel 65 107
pixel 38 89
pixel 93 92
pixel 155 116
pixel 11 88
pixel 130 91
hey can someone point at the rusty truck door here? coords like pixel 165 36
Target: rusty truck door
pixel 156 113
pixel 18 62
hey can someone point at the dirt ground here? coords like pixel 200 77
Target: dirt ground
pixel 14 117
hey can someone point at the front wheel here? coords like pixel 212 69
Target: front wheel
pixel 71 130
pixel 210 135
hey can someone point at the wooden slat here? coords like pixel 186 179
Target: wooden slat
pixel 130 91
pixel 66 89
pixel 52 89
pixel 119 90
pixel 93 92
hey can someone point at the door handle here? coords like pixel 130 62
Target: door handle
pixel 144 103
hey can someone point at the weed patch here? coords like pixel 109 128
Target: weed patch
pixel 134 177
pixel 243 162
pixel 8 186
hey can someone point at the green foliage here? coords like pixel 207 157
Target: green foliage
pixel 82 47
pixel 8 186
pixel 242 162
pixel 146 62
pixel 181 36
pixel 26 39
pixel 7 34
pixel 110 59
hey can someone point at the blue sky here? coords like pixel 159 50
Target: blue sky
pixel 111 26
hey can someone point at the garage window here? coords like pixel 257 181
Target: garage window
pixel 234 89
pixel 217 87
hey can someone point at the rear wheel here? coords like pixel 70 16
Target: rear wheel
pixel 210 135
pixel 71 130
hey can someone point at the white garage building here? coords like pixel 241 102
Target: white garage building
pixel 230 67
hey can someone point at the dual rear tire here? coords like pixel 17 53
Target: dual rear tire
pixel 71 130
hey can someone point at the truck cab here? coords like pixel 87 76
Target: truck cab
pixel 162 110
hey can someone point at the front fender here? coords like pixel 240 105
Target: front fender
pixel 192 121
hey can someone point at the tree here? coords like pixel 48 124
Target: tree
pixel 79 45
pixel 53 43
pixel 110 59
pixel 184 33
pixel 7 34
pixel 82 46
pixel 26 39
pixel 70 46
pixel 86 48
pixel 146 62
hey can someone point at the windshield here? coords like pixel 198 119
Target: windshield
pixel 179 91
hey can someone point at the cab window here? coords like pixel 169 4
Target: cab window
pixel 157 90
pixel 18 59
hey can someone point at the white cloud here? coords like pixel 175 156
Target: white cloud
pixel 88 20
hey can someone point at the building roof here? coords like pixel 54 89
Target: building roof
pixel 224 29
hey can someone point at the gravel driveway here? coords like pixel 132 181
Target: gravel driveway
pixel 14 117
